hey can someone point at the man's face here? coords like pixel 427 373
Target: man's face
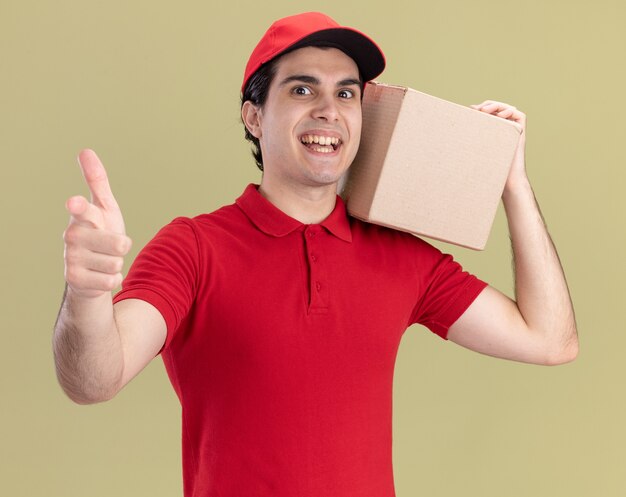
pixel 310 126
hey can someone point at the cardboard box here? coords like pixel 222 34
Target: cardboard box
pixel 428 166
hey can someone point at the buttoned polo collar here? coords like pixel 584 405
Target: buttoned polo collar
pixel 272 221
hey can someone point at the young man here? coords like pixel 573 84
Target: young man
pixel 279 317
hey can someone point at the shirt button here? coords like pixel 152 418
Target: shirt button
pixel 318 286
pixel 312 230
pixel 313 257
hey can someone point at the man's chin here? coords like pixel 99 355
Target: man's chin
pixel 326 178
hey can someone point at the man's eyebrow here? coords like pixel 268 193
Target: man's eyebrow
pixel 349 82
pixel 312 80
pixel 303 78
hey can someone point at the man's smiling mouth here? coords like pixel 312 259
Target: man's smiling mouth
pixel 318 143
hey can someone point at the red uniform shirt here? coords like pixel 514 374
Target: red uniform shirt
pixel 281 343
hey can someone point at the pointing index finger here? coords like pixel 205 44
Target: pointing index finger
pixel 96 177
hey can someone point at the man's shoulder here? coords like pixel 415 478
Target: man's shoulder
pixel 385 234
pixel 227 214
pixel 223 223
pixel 194 225
pixel 222 216
pixel 375 238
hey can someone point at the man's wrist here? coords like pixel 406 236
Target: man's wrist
pixel 516 188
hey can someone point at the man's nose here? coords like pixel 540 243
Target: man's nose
pixel 326 108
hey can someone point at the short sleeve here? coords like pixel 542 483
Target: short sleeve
pixel 446 291
pixel 165 273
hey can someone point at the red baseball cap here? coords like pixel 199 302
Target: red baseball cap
pixel 315 28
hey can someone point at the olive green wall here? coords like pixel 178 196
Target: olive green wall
pixel 152 86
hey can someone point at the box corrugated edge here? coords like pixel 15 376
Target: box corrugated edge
pixel 376 136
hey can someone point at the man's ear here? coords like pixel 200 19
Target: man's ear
pixel 250 114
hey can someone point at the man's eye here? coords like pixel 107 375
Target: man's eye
pixel 346 94
pixel 301 90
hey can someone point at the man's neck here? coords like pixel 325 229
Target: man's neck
pixel 309 205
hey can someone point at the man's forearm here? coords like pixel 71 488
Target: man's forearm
pixel 541 290
pixel 87 348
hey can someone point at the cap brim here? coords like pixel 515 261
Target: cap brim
pixel 368 57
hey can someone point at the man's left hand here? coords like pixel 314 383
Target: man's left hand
pixel 517 173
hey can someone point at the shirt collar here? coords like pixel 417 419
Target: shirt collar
pixel 272 221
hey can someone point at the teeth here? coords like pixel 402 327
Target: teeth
pixel 322 140
pixel 324 150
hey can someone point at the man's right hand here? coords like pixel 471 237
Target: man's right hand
pixel 99 347
pixel 95 239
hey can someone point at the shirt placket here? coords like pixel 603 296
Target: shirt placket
pixel 318 282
